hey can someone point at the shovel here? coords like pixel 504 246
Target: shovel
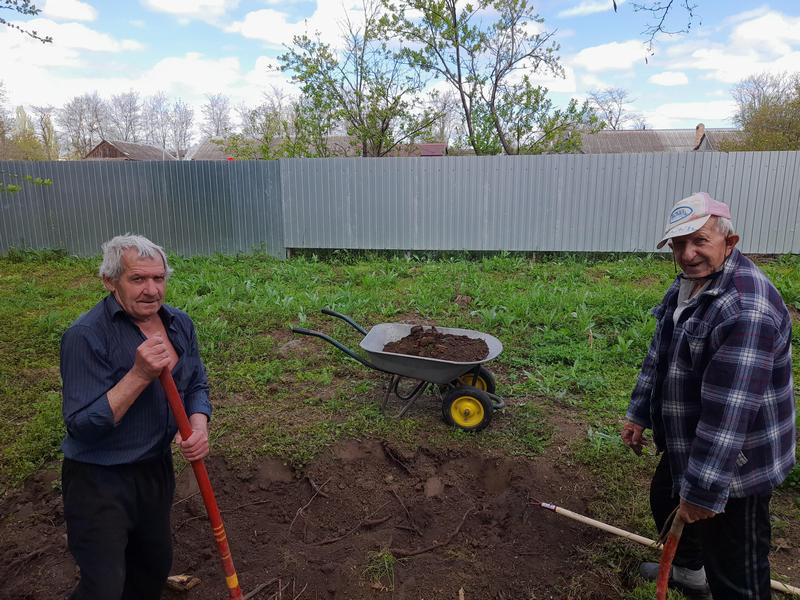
pixel 231 580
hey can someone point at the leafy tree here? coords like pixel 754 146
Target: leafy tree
pixel 534 126
pixel 24 143
pixel 371 89
pixel 769 113
pixel 23 7
pixel 757 91
pixel 480 48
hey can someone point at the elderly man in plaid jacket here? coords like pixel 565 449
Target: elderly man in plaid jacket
pixel 716 390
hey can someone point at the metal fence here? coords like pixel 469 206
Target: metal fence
pixel 598 203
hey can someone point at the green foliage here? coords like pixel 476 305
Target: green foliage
pixel 769 113
pixel 366 86
pixel 380 569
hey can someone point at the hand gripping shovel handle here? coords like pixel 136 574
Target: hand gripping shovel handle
pixel 175 403
pixel 667 554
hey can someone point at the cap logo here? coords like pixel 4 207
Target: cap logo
pixel 680 213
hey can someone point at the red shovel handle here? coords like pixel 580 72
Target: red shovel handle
pixel 667 554
pixel 200 473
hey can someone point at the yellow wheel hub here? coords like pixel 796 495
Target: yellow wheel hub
pixel 478 382
pixel 467 411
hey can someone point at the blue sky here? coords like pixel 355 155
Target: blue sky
pixel 190 48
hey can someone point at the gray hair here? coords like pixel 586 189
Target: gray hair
pixel 724 226
pixel 114 248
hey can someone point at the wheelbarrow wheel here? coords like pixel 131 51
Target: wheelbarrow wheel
pixel 484 382
pixel 467 408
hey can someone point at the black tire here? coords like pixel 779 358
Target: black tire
pixel 467 408
pixel 486 381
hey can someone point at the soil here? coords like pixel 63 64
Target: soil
pixel 431 343
pixel 464 520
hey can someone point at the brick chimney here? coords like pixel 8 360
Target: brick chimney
pixel 699 134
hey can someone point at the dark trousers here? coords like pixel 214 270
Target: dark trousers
pixel 733 545
pixel 118 527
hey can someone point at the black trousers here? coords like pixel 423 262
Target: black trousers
pixel 733 545
pixel 118 527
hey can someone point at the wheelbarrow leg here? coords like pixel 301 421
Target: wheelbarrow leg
pixel 392 386
pixel 408 399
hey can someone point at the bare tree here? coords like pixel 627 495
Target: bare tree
pixel 43 122
pixel 764 89
pixel 612 105
pixel 5 120
pixel 180 131
pixel 83 123
pixel 125 116
pixel 659 18
pixel 157 125
pixel 217 116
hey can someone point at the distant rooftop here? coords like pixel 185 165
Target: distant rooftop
pixel 656 140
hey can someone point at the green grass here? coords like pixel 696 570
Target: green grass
pixel 575 329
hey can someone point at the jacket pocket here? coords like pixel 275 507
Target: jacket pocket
pixel 696 335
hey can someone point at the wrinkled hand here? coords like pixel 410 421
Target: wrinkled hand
pixel 633 436
pixel 690 513
pixel 195 447
pixel 152 356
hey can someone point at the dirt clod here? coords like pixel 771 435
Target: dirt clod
pixel 431 343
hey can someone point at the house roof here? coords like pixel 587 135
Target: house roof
pixel 208 149
pixel 135 151
pixel 654 140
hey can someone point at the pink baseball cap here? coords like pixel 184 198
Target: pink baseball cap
pixel 690 214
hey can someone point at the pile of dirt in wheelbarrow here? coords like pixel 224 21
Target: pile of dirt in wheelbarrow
pixel 431 343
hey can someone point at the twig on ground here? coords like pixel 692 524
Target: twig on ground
pixel 307 504
pixel 393 455
pixel 366 522
pixel 300 593
pixel 408 514
pixel 189 497
pixel 252 593
pixel 402 553
pixel 316 488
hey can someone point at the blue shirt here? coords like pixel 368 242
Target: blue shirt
pixel 96 352
pixel 716 388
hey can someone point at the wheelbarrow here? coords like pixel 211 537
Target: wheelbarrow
pixel 466 389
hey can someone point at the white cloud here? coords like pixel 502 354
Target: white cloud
pixel 72 10
pixel 204 10
pixel 669 78
pixel 773 31
pixel 588 7
pixel 276 29
pixel 714 113
pixel 615 56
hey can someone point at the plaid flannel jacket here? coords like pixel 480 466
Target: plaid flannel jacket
pixel 716 389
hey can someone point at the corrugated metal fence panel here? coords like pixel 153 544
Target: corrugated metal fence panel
pixel 188 207
pixel 614 202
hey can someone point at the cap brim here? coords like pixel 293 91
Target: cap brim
pixel 683 229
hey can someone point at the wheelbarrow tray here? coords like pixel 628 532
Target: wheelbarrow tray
pixel 434 370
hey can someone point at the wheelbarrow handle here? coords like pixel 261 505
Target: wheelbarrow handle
pixel 345 318
pixel 339 345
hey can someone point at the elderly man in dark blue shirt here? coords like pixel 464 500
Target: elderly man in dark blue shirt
pixel 118 479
